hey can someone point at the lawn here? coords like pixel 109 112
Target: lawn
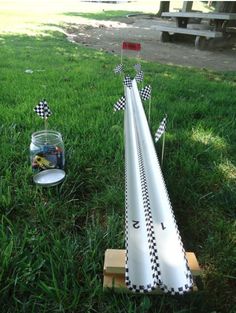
pixel 53 240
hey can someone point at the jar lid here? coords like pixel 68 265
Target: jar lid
pixel 49 178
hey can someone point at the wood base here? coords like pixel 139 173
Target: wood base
pixel 114 270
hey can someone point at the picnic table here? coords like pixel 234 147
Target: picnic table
pixel 220 25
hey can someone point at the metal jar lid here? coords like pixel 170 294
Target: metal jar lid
pixel 49 178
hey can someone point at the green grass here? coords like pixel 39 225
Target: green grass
pixel 53 240
pixel 105 15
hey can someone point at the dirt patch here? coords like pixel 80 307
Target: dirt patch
pixel 108 35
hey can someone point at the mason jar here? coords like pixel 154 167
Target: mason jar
pixel 47 151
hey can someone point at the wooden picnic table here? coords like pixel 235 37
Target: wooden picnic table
pixel 219 26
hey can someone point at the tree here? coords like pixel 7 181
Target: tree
pixel 228 7
pixel 164 7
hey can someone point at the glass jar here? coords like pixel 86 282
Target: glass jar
pixel 47 151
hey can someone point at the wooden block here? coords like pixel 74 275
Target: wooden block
pixel 114 270
pixel 193 263
pixel 114 262
pixel 114 281
pixel 117 282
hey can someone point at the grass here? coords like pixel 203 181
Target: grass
pixel 104 15
pixel 53 240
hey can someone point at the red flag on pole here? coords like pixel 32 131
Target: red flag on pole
pixel 135 46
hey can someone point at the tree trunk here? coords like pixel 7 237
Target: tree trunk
pixel 226 7
pixel 164 7
pixel 187 6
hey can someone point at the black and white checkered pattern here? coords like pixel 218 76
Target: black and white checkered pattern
pixel 183 289
pixel 139 76
pixel 137 67
pixel 149 221
pixel 42 109
pixel 152 239
pixel 161 129
pixel 120 104
pixel 118 69
pixel 146 92
pixel 156 273
pixel 128 82
pixel 178 291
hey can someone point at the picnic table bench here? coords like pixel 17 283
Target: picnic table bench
pixel 220 25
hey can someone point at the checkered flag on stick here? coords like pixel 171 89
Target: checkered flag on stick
pixel 137 67
pixel 139 76
pixel 120 104
pixel 42 109
pixel 118 69
pixel 128 82
pixel 146 92
pixel 161 129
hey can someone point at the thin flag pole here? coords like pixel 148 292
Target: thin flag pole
pixel 121 53
pixel 163 149
pixel 142 80
pixel 45 123
pixel 121 61
pixel 138 57
pixel 138 62
pixel 163 145
pixel 46 128
pixel 149 111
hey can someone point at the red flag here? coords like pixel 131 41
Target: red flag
pixel 131 46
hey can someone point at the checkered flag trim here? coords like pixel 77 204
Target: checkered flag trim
pixel 161 129
pixel 137 67
pixel 118 69
pixel 180 291
pixel 139 76
pixel 42 109
pixel 133 287
pixel 120 104
pixel 128 82
pixel 146 92
pixel 156 270
pixel 152 247
pixel 149 222
pixel 186 288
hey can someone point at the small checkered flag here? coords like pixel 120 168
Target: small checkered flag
pixel 120 104
pixel 139 76
pixel 118 69
pixel 137 67
pixel 128 81
pixel 146 92
pixel 161 129
pixel 42 109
